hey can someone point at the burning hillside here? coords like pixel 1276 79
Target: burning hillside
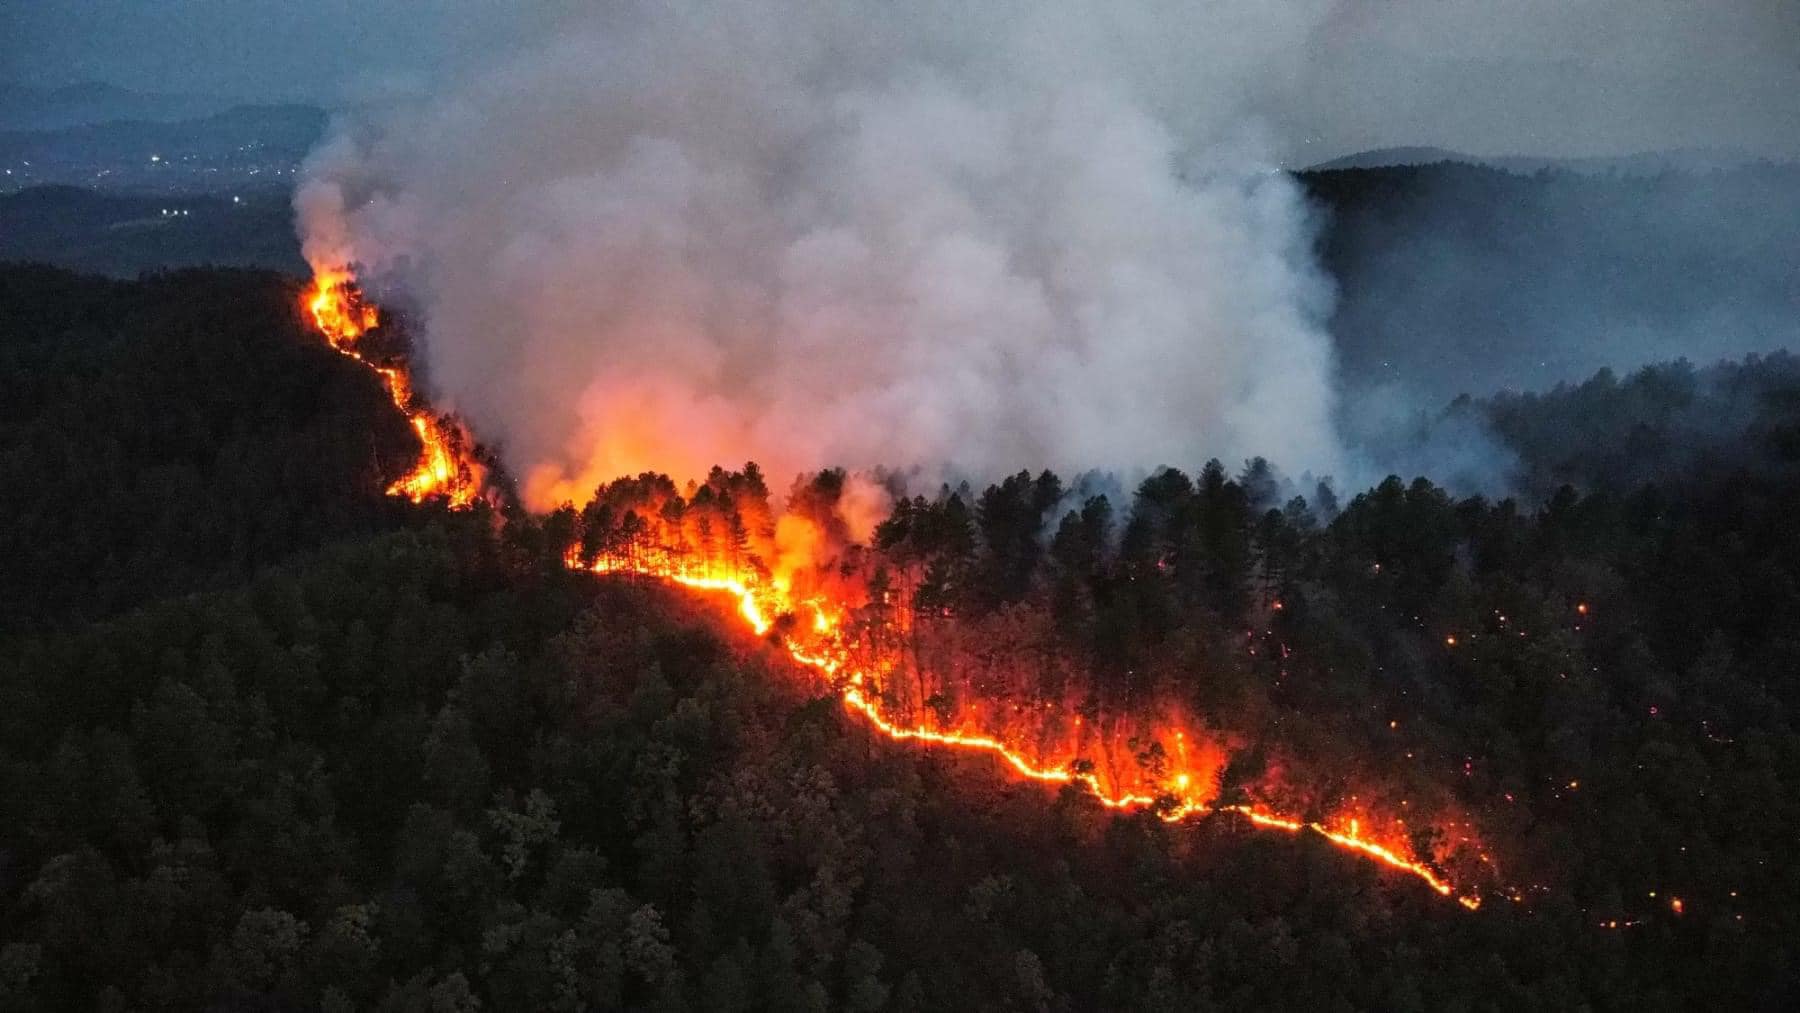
pixel 447 466
pixel 884 620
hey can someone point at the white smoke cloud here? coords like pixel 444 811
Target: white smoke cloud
pixel 856 234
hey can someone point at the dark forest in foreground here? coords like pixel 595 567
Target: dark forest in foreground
pixel 270 740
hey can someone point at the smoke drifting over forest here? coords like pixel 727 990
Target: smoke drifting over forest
pixel 962 243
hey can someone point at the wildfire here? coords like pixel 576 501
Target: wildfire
pixel 1164 769
pixel 1183 790
pixel 338 310
pixel 445 467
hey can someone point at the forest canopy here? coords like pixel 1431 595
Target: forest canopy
pixel 270 739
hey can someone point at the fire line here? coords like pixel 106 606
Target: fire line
pixel 446 470
pixel 444 467
pixel 755 609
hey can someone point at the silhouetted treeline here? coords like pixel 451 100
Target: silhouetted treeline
pixel 1665 424
pixel 433 768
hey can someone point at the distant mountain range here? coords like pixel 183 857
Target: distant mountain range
pixel 23 107
pixel 287 127
pixel 1647 163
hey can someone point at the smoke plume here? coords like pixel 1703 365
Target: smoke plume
pixel 912 236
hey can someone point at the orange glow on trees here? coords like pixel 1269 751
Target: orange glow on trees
pixel 447 466
pixel 860 647
pixel 870 629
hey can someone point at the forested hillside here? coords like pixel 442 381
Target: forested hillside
pixel 172 434
pixel 271 740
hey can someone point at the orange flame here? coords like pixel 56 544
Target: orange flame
pixel 445 467
pixel 1182 794
pixel 1178 785
pixel 338 310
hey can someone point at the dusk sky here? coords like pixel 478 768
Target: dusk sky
pixel 1553 77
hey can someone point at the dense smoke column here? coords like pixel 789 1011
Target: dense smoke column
pixel 961 243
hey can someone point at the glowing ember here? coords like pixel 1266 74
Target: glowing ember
pixel 445 467
pixel 1180 795
pixel 1156 763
